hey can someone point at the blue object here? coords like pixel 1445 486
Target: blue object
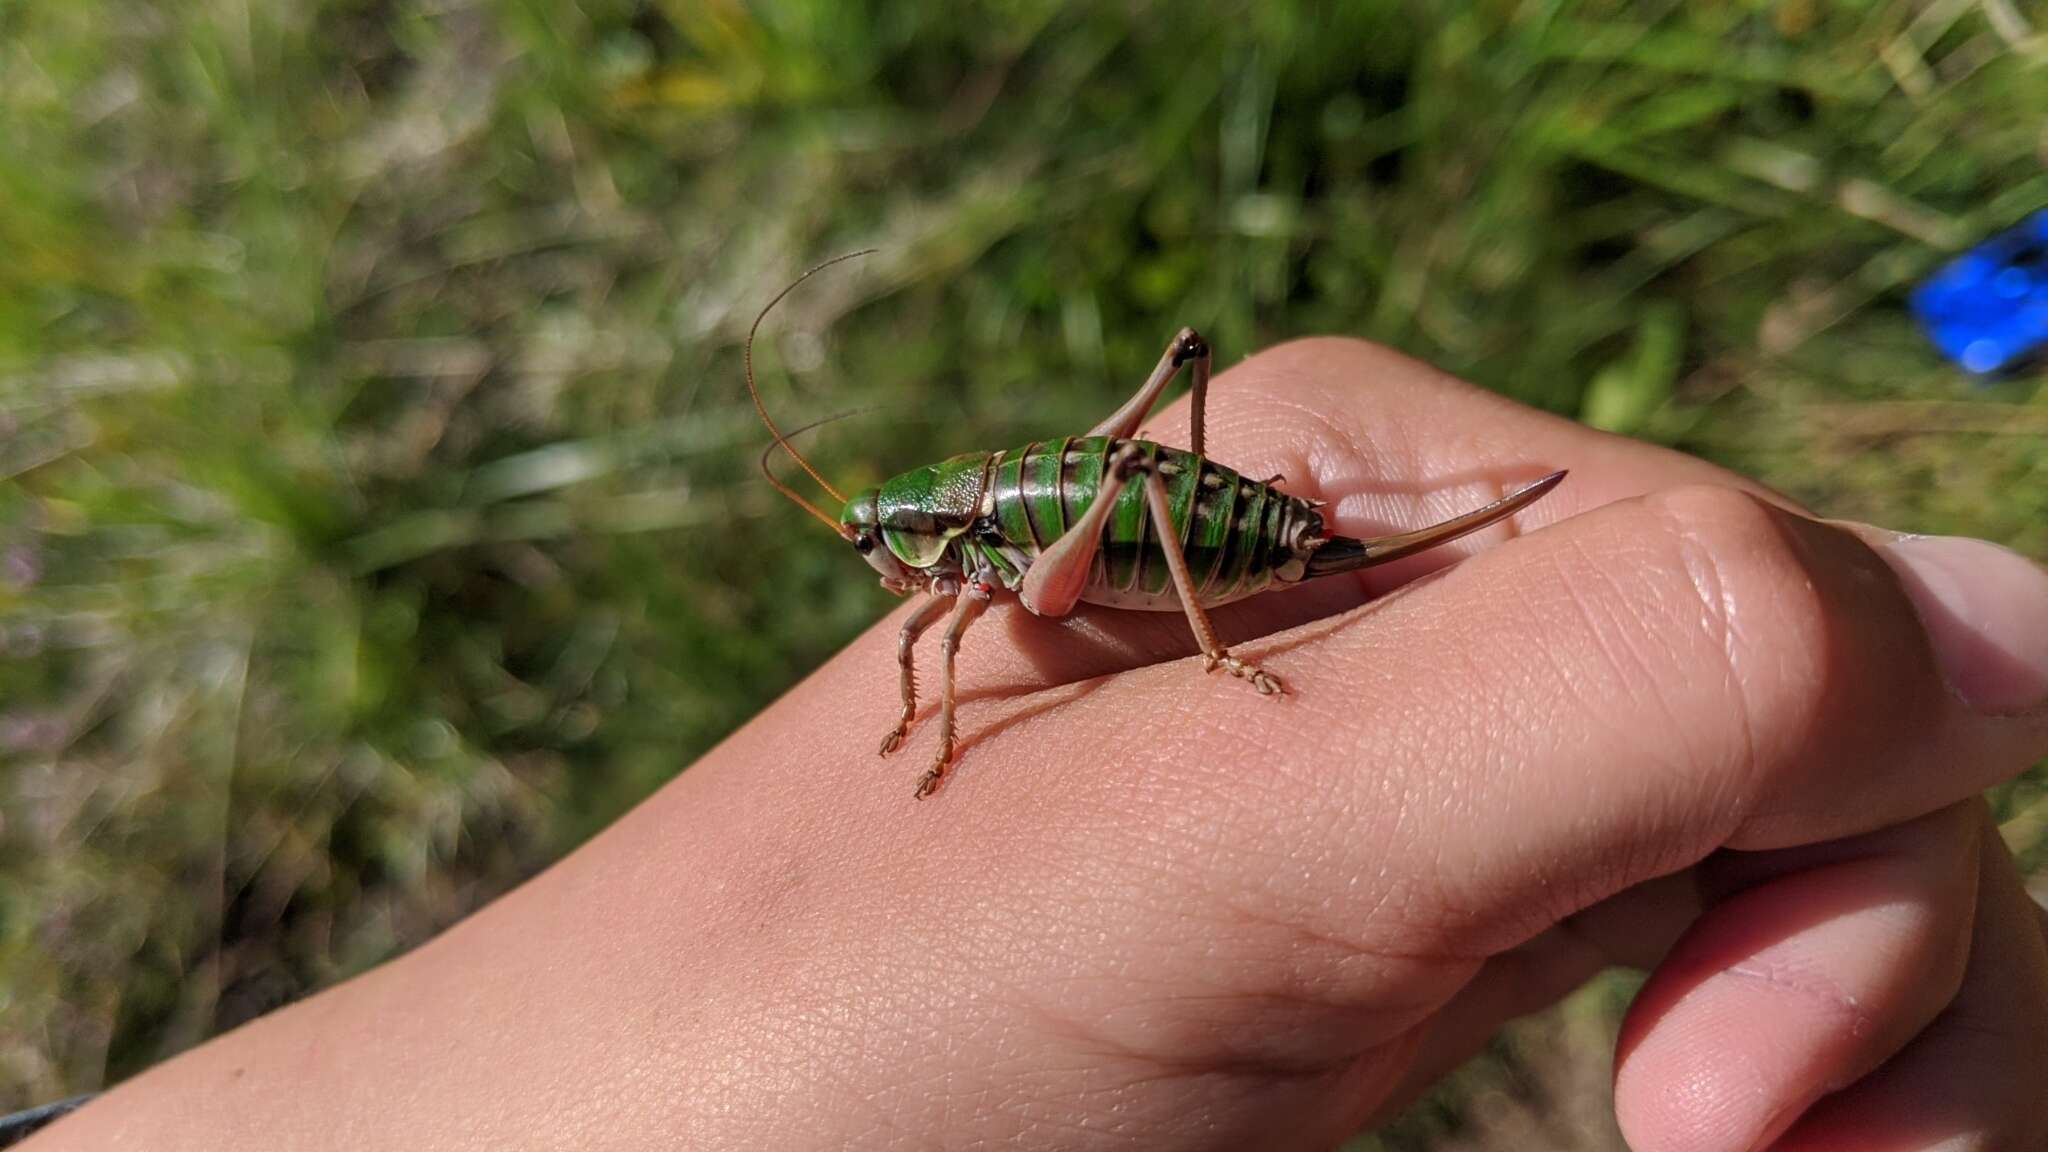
pixel 1988 308
pixel 19 1126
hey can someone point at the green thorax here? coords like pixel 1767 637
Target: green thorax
pixel 921 511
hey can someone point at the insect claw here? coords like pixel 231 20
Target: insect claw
pixel 1264 682
pixel 929 783
pixel 892 741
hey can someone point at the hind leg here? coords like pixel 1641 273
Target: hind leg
pixel 968 606
pixel 1214 654
pixel 1053 585
pixel 1187 348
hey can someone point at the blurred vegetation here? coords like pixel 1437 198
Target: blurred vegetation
pixel 376 514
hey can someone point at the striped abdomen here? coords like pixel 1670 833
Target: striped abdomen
pixel 1239 535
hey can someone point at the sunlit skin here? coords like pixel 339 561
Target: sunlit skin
pixel 1663 719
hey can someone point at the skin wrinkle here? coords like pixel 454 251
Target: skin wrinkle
pixel 1339 952
pixel 1456 806
pixel 1772 581
pixel 1303 862
pixel 1036 1126
pixel 1201 1039
pixel 1812 986
pixel 1722 618
pixel 1629 669
pixel 1710 621
pixel 1685 761
pixel 1754 516
pixel 1170 1061
pixel 1139 1066
pixel 1511 984
pixel 1391 895
pixel 1729 873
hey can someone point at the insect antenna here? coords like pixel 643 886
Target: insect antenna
pixel 781 440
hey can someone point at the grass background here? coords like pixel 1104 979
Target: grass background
pixel 376 508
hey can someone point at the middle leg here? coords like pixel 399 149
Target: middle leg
pixel 972 601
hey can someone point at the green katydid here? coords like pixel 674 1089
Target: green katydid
pixel 1075 520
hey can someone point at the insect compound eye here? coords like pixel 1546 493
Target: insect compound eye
pixel 863 544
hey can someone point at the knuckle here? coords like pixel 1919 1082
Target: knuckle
pixel 1760 605
pixel 1747 567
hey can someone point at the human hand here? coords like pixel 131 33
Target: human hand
pixel 1672 724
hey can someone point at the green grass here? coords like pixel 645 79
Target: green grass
pixel 376 514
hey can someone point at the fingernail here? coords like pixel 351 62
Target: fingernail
pixel 1985 609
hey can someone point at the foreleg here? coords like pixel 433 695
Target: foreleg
pixel 927 614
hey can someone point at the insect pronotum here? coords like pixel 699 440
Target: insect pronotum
pixel 1076 519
